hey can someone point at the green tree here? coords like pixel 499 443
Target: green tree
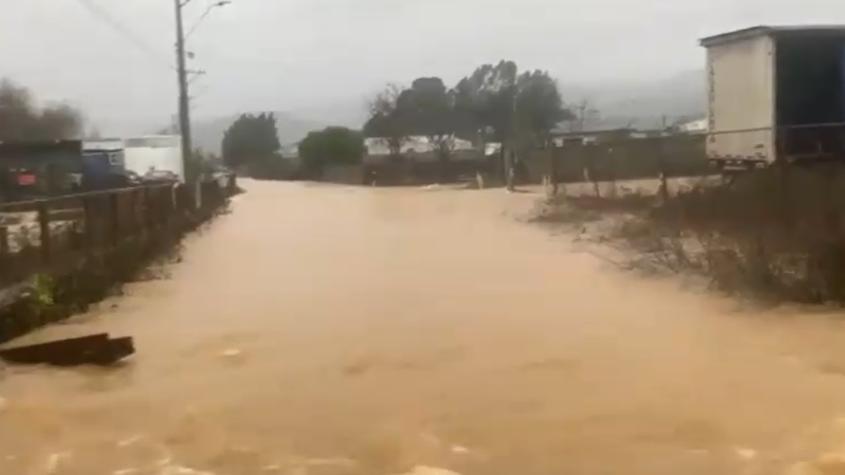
pixel 387 121
pixel 538 106
pixel 484 101
pixel 428 108
pixel 250 139
pixel 22 119
pixel 332 145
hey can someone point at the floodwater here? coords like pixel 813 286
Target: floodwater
pixel 320 330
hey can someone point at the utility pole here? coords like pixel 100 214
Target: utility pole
pixel 184 106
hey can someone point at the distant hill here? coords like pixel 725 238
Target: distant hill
pixel 640 105
pixel 643 105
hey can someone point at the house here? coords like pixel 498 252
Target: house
pixel 417 148
pixel 420 162
pixel 561 139
pixel 699 126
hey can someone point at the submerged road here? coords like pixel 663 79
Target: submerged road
pixel 320 330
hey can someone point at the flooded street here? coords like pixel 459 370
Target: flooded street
pixel 320 330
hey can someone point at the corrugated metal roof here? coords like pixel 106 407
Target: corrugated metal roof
pixel 764 30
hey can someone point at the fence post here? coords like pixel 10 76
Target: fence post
pixel 661 165
pixel 149 218
pixel 89 222
pixel 198 194
pixel 783 168
pixel 613 162
pixel 508 164
pixel 44 228
pixel 591 156
pixel 4 242
pixel 114 217
pixel 552 152
pixel 135 212
pixel 831 206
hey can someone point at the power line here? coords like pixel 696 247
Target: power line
pixel 98 12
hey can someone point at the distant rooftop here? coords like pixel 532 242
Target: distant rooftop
pixel 763 30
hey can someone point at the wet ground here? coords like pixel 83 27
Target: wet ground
pixel 336 330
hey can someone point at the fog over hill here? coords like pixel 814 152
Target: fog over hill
pixel 643 105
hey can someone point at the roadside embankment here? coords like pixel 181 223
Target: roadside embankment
pixel 774 233
pixel 59 255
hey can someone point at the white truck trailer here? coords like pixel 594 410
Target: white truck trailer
pixel 153 154
pixel 775 93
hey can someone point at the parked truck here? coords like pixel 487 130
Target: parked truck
pixel 104 165
pixel 775 93
pixel 155 157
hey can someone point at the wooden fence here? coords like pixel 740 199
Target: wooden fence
pixel 51 233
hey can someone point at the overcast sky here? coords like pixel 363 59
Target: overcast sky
pixel 113 58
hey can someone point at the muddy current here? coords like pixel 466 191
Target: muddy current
pixel 321 330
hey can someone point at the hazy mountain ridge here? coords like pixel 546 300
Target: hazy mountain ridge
pixel 643 105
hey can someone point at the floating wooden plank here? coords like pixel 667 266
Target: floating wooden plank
pixel 94 349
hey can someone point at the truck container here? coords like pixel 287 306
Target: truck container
pixel 154 154
pixel 775 93
pixel 103 164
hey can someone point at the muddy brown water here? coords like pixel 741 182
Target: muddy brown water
pixel 338 330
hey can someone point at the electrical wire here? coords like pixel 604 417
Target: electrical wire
pixel 98 12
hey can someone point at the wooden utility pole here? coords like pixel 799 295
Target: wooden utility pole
pixel 182 75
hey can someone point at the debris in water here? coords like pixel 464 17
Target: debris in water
pixel 130 441
pixel 54 461
pixel 745 453
pixel 95 349
pixel 232 353
pixel 459 449
pixel 423 470
pixel 126 471
pixel 180 470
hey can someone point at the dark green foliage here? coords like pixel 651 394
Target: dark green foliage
pixel 485 100
pixel 332 145
pixel 494 102
pixel 427 108
pixel 386 121
pixel 539 107
pixel 251 138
